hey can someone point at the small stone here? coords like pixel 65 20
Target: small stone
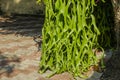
pixel 95 76
pixel 108 55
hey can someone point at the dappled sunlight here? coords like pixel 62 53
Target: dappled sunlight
pixel 19 25
pixel 7 6
pixel 17 1
pixel 6 19
pixel 21 7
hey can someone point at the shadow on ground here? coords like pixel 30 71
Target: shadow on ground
pixel 112 71
pixel 5 64
pixel 24 25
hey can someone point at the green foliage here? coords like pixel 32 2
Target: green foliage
pixel 69 36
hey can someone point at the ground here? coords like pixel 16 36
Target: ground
pixel 20 56
pixel 112 71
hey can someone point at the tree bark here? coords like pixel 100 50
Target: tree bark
pixel 116 7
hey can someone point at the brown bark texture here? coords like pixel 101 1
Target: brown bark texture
pixel 116 7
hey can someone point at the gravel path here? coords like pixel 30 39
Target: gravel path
pixel 19 56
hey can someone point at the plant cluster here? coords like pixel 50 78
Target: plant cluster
pixel 69 36
pixel 72 31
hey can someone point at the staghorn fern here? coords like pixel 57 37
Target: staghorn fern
pixel 69 36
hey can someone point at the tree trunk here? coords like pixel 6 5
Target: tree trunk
pixel 116 6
